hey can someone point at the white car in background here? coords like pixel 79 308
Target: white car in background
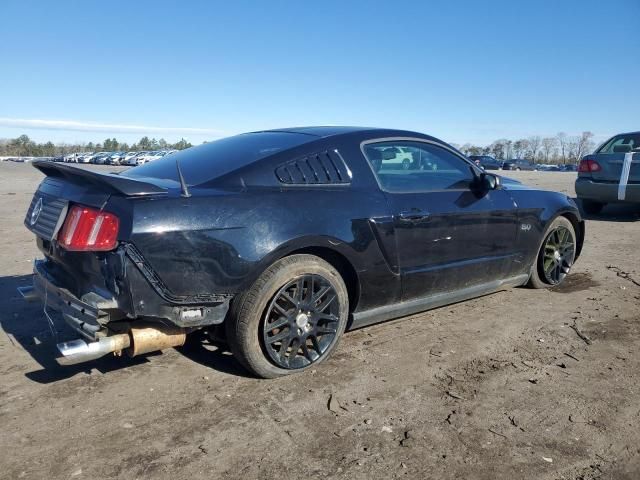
pixel 84 157
pixel 127 156
pixel 155 156
pixel 115 158
pixel 398 157
pixel 137 159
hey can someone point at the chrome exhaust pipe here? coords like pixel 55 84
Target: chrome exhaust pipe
pixel 78 351
pixel 142 338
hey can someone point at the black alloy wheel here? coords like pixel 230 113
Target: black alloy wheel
pixel 301 322
pixel 558 254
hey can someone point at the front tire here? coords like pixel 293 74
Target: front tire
pixel 555 256
pixel 592 207
pixel 290 319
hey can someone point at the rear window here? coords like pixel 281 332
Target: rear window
pixel 622 143
pixel 214 159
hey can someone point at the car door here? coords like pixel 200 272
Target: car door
pixel 449 235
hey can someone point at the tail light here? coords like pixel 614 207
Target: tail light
pixel 588 166
pixel 88 229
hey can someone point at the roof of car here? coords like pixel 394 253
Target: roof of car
pixel 323 131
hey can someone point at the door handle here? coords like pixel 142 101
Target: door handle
pixel 413 215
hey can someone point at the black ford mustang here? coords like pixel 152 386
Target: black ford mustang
pixel 286 237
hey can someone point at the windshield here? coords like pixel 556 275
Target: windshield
pixel 211 160
pixel 622 143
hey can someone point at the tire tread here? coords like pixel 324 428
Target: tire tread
pixel 239 329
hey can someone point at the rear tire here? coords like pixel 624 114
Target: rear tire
pixel 555 255
pixel 284 323
pixel 592 207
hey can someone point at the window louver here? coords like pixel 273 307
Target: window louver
pixel 324 168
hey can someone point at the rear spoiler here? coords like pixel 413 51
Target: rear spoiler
pixel 110 181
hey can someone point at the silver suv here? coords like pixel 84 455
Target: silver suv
pixel 611 174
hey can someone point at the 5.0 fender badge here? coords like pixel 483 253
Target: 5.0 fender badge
pixel 35 213
pixel 525 227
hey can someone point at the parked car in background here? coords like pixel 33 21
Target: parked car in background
pixel 131 158
pixel 486 162
pixel 84 157
pixel 611 174
pixel 284 238
pixel 89 158
pixel 127 156
pixel 115 158
pixel 518 164
pixel 101 158
pixel 569 167
pixel 541 167
pixel 398 157
pixel 140 158
pixel 155 156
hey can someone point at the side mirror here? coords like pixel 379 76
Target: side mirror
pixel 489 181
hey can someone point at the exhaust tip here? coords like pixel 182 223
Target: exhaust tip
pixel 73 347
pixel 143 338
pixel 78 351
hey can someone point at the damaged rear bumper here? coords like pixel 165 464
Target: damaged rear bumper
pixel 87 316
pixel 98 321
pixel 94 289
pixel 120 305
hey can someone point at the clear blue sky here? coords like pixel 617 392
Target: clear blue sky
pixel 460 70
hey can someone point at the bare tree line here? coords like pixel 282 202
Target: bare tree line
pixel 560 149
pixel 23 146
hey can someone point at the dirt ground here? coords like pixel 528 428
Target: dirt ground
pixel 501 387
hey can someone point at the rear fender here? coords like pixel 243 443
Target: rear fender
pixel 365 261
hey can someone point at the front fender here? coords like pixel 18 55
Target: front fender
pixel 536 210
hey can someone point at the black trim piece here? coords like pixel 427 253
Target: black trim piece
pixel 49 221
pixel 322 168
pixel 409 307
pixel 161 288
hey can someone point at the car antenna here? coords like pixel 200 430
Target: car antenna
pixel 183 184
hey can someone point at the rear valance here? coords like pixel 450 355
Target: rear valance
pixel 115 183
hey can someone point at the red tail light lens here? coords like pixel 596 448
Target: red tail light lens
pixel 88 229
pixel 588 166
